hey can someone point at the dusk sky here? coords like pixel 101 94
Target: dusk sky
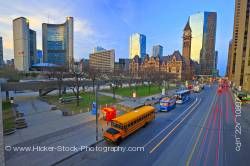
pixel 109 23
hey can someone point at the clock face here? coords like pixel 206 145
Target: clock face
pixel 186 33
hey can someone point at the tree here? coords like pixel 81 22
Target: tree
pixel 59 74
pixel 11 74
pixel 148 75
pixel 93 74
pixel 78 76
pixel 116 78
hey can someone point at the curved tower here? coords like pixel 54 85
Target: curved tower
pixel 58 43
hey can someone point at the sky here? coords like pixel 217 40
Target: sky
pixel 109 23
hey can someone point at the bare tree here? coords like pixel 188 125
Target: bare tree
pixel 10 73
pixel 116 78
pixel 59 74
pixel 78 76
pixel 148 75
pixel 93 74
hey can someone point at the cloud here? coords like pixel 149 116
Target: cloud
pixel 38 13
pixel 83 28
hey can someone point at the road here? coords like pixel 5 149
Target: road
pixel 199 132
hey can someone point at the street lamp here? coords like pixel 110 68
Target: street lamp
pixel 96 115
pixel 134 95
pixel 113 88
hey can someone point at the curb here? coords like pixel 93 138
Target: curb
pixel 60 161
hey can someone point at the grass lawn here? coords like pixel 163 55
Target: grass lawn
pixel 141 90
pixel 8 119
pixel 85 102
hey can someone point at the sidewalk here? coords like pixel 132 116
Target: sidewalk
pixel 82 135
pixel 48 128
pixel 42 121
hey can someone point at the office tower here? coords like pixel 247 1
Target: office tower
pixel 229 58
pixel 58 43
pixel 102 61
pixel 39 56
pixel 33 51
pixel 157 50
pixel 124 64
pixel 203 27
pixel 137 45
pixel 239 67
pixel 216 60
pixel 1 52
pixel 24 44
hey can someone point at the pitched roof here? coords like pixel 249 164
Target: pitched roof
pixel 177 56
pixel 187 27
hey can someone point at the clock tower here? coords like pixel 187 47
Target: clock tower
pixel 186 50
pixel 187 36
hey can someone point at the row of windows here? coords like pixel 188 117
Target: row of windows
pixel 56 58
pixel 133 122
pixel 56 45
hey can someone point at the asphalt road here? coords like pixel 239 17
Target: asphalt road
pixel 199 132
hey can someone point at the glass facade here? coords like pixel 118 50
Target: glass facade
pixel 32 47
pixel 39 56
pixel 203 26
pixel 58 43
pixel 137 45
pixel 157 51
pixel 196 22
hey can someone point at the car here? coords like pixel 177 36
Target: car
pixel 197 89
pixel 219 90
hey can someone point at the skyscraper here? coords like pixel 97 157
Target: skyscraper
pixel 157 50
pixel 1 52
pixel 137 45
pixel 203 27
pixel 229 58
pixel 58 43
pixel 33 50
pixel 239 60
pixel 216 60
pixel 39 57
pixel 24 44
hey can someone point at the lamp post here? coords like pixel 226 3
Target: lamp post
pixel 134 95
pixel 113 88
pixel 96 115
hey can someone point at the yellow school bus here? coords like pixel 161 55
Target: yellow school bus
pixel 128 123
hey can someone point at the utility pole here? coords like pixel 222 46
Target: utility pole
pixel 96 120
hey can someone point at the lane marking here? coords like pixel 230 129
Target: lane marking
pixel 170 124
pixel 152 150
pixel 196 142
pixel 219 136
pixel 207 124
pixel 227 94
pixel 213 131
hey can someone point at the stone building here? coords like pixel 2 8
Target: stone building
pixel 180 66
